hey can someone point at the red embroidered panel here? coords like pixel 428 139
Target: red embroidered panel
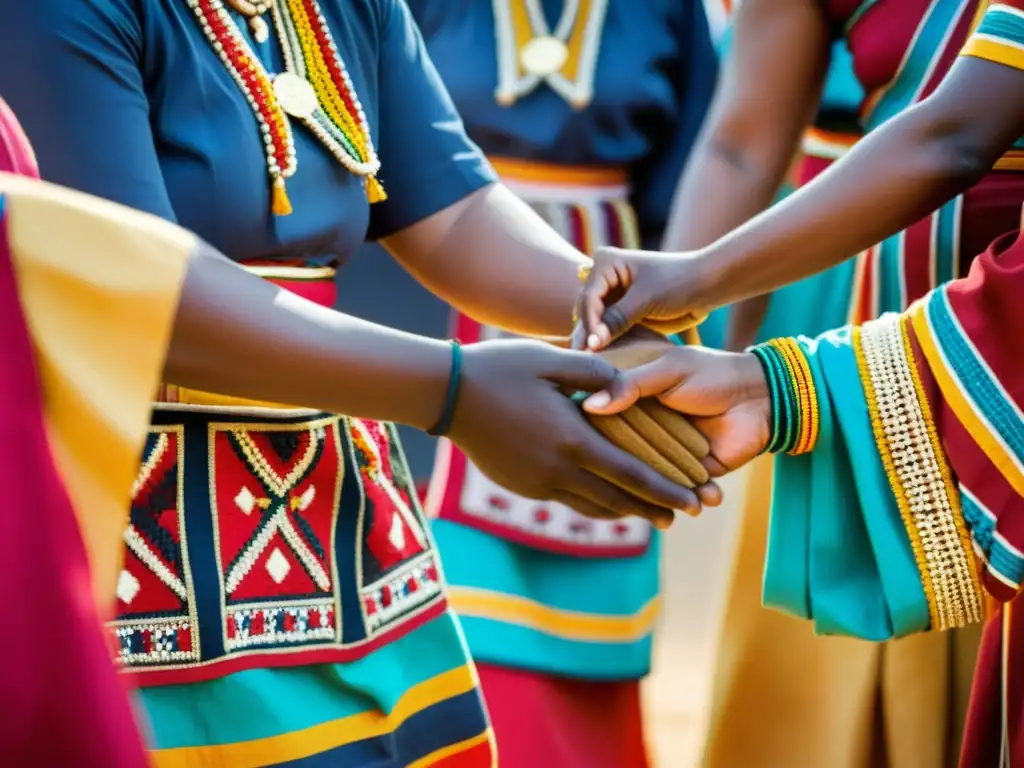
pixel 278 504
pixel 156 614
pixel 275 496
pixel 399 572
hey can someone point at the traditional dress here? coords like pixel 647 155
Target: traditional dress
pixel 588 112
pixel 88 292
pixel 281 600
pixel 906 516
pixel 923 682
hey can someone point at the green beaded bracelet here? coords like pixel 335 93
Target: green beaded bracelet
pixel 785 405
pixel 451 395
pixel 764 357
pixel 792 432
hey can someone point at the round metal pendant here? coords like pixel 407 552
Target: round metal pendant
pixel 544 56
pixel 295 95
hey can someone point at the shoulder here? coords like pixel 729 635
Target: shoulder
pixel 74 20
pixel 62 13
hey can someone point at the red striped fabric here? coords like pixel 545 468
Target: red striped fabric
pixel 988 306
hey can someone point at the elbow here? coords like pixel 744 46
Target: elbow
pixel 967 161
pixel 742 142
pixel 960 150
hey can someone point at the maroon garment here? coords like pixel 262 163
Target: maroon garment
pixel 65 703
pixel 988 312
pixel 543 720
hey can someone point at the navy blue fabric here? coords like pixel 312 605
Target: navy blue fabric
pixel 127 100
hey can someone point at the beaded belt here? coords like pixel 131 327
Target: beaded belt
pixel 267 536
pixel 590 208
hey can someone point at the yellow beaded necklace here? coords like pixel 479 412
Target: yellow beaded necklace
pixel 315 89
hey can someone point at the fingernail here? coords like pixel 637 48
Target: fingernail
pixel 593 341
pixel 597 400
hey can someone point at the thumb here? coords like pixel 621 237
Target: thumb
pixel 651 379
pixel 577 370
pixel 628 311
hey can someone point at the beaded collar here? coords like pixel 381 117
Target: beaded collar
pixel 530 52
pixel 315 89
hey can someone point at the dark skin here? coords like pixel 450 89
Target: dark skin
pixel 511 418
pixel 752 132
pixel 901 172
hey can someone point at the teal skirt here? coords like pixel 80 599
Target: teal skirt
pixel 411 703
pixel 521 607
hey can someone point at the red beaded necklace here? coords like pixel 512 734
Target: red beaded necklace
pixel 315 88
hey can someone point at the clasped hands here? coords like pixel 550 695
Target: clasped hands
pixel 723 395
pixel 639 454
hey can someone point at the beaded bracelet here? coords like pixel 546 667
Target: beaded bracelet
pixel 444 423
pixel 806 395
pixel 794 401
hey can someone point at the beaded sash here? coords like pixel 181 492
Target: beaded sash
pixel 590 208
pixel 918 473
pixel 267 536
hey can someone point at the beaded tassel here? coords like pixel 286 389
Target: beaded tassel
pixel 254 82
pixel 338 121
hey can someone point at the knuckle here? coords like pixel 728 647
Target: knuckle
pixel 634 478
pixel 615 319
pixel 599 368
pixel 547 478
pixel 573 447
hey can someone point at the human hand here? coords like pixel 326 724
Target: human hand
pixel 724 393
pixel 665 292
pixel 512 421
pixel 659 436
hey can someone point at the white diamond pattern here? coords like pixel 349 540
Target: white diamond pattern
pixel 127 587
pixel 277 566
pixel 245 501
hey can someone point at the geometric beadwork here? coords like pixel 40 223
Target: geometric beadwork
pixel 274 499
pixel 401 592
pixel 155 611
pixel 482 503
pixel 399 571
pixel 394 528
pixel 276 488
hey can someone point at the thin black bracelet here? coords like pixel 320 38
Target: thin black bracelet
pixel 452 395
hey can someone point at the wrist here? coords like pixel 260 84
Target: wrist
pixel 447 411
pixel 420 392
pixel 787 381
pixel 700 277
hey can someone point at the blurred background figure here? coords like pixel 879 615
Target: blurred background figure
pixel 588 110
pixel 783 696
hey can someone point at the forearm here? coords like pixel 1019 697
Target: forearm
pixel 500 263
pixel 724 186
pixel 231 325
pixel 898 174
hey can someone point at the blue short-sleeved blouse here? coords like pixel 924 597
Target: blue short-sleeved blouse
pixel 126 99
pixel 655 76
